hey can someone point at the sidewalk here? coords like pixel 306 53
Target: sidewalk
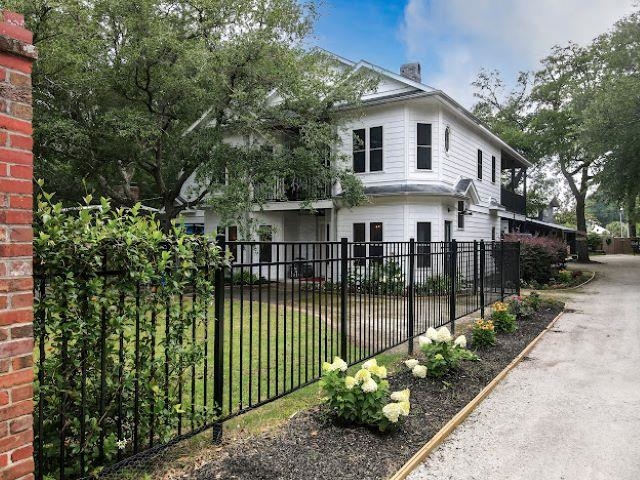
pixel 569 411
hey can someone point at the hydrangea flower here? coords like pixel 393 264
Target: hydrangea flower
pixel 369 364
pixel 121 443
pixel 350 382
pixel 340 364
pixel 392 412
pixel 424 340
pixel 379 371
pixel 461 341
pixel 405 407
pixel 432 334
pixel 369 386
pixel 412 362
pixel 401 396
pixel 443 335
pixel 419 371
pixel 363 375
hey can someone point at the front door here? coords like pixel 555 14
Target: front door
pixel 447 230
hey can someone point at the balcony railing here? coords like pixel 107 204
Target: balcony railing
pixel 512 201
pixel 295 190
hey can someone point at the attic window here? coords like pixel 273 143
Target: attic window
pixel 447 138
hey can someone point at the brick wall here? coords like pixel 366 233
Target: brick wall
pixel 16 283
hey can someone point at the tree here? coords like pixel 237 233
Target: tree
pixel 141 99
pixel 612 125
pixel 561 91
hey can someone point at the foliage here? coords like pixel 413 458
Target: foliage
pixel 483 333
pixel 379 278
pixel 519 307
pixel 533 301
pixel 442 353
pixel 503 321
pixel 538 255
pixel 245 277
pixel 439 285
pixel 363 399
pixel 564 276
pixel 86 314
pixel 143 97
pixel 595 242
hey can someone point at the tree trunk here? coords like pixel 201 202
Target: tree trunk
pixel 582 248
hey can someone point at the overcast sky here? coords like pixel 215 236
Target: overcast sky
pixel 454 39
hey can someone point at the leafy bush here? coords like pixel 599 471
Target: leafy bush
pixel 518 307
pixel 533 301
pixel 441 352
pixel 380 278
pixel 245 277
pixel 538 255
pixel 89 321
pixel 502 319
pixel 483 333
pixel 360 399
pixel 594 242
pixel 439 285
pixel 564 276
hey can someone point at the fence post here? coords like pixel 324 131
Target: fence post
pixel 344 265
pixel 519 272
pixel 453 267
pixel 482 269
pixel 411 306
pixel 475 267
pixel 501 269
pixel 218 339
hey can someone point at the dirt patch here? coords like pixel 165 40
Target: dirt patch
pixel 311 446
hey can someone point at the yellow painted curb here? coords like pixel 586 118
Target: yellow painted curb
pixel 451 425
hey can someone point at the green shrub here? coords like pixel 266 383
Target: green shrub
pixel 245 277
pixel 441 352
pixel 86 313
pixel 518 307
pixel 503 320
pixel 594 242
pixel 483 333
pixel 564 276
pixel 533 301
pixel 380 278
pixel 363 399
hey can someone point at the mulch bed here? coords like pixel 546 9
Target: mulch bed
pixel 311 446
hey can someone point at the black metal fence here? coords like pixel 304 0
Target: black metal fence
pixel 163 364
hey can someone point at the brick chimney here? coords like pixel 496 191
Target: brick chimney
pixel 412 71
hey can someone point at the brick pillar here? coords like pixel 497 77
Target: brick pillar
pixel 16 283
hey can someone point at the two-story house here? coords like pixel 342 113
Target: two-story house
pixel 431 170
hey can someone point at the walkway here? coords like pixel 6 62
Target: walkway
pixel 571 410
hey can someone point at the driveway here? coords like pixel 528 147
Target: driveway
pixel 571 410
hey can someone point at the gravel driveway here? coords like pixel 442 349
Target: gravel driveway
pixel 571 410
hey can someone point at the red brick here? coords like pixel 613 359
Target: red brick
pixel 16 378
pixel 22 452
pixel 4 334
pixel 21 110
pixel 4 459
pixel 21 201
pixel 14 410
pixel 3 135
pixel 12 17
pixel 3 304
pixel 21 424
pixel 11 185
pixel 4 397
pixel 22 362
pixel 16 217
pixel 13 348
pixel 19 157
pixel 20 142
pixel 16 250
pixel 21 171
pixel 16 284
pixel 3 169
pixel 22 331
pixel 22 392
pixel 5 365
pixel 19 471
pixel 22 234
pixel 14 31
pixel 15 125
pixel 21 300
pixel 15 63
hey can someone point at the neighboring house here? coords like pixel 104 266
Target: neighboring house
pixel 593 227
pixel 431 170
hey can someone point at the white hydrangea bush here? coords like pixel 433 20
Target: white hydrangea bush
pixel 363 398
pixel 441 353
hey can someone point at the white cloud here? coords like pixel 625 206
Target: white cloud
pixel 454 39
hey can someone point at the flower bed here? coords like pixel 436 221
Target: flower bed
pixel 563 279
pixel 313 445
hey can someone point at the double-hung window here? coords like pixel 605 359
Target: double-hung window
pixel 375 235
pixel 479 164
pixel 461 215
pixel 423 154
pixel 423 246
pixel 359 247
pixel 371 150
pixel 493 168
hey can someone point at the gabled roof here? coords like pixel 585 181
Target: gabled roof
pixel 423 90
pixel 467 188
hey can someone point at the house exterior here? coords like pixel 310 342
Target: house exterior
pixel 430 169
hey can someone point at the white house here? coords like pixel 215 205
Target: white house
pixel 431 170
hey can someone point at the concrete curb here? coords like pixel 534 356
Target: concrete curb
pixel 452 424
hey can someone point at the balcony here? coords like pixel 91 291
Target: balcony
pixel 512 201
pixel 295 190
